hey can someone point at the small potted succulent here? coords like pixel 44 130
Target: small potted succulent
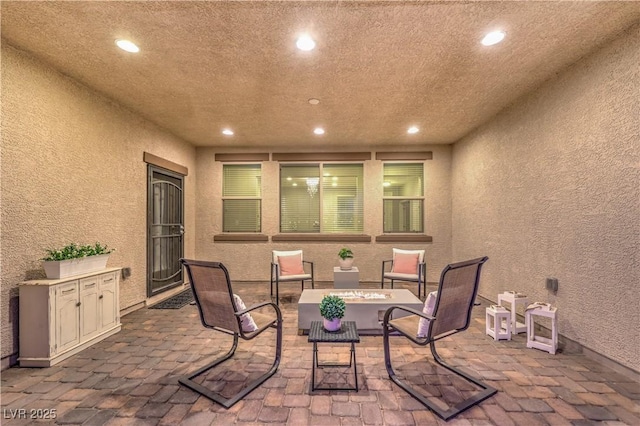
pixel 332 309
pixel 74 259
pixel 346 258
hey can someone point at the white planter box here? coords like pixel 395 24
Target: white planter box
pixel 67 268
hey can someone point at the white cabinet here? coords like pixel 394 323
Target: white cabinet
pixel 59 318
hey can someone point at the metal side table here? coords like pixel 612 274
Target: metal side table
pixel 347 334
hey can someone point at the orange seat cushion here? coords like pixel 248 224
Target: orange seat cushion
pixel 291 265
pixel 405 263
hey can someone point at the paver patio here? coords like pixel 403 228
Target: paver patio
pixel 132 378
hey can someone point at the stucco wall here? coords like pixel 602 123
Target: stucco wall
pixel 73 170
pixel 551 188
pixel 368 256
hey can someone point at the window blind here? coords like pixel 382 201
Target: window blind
pixel 342 198
pixel 241 192
pixel 403 203
pixel 321 198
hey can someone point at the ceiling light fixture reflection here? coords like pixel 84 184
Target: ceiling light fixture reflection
pixel 413 129
pixel 318 131
pixel 312 186
pixel 227 132
pixel 305 43
pixel 386 184
pixel 127 46
pixel 493 37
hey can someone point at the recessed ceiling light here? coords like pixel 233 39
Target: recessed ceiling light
pixel 318 131
pixel 493 37
pixel 386 183
pixel 314 101
pixel 413 129
pixel 305 42
pixel 227 132
pixel 127 45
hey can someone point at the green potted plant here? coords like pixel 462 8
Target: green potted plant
pixel 346 258
pixel 74 259
pixel 332 309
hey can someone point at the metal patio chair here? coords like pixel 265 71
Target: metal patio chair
pixel 451 314
pixel 287 266
pixel 219 311
pixel 402 268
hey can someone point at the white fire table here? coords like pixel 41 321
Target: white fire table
pixel 365 307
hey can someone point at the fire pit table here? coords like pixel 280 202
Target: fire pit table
pixel 365 307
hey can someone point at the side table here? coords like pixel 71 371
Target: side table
pixel 514 299
pixel 549 344
pixel 347 334
pixel 498 322
pixel 346 278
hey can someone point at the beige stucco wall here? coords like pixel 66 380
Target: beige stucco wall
pixel 551 188
pixel 73 170
pixel 250 261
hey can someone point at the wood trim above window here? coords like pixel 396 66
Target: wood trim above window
pixel 422 155
pixel 409 238
pixel 228 158
pixel 322 238
pixel 165 164
pixel 236 238
pixel 321 156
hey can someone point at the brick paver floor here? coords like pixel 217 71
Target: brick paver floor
pixel 132 378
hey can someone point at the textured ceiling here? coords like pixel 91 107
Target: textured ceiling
pixel 378 66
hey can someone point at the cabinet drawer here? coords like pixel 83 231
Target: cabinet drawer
pixel 89 284
pixel 67 290
pixel 107 279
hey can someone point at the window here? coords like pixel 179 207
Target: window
pixel 241 197
pixel 321 198
pixel 403 198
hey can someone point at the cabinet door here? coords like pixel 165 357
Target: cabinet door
pixel 67 313
pixel 89 320
pixel 108 300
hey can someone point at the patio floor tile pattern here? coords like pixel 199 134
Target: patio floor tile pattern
pixel 131 378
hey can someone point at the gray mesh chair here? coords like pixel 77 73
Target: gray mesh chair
pixel 452 314
pixel 218 311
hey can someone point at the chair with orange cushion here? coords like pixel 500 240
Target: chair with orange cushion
pixel 406 265
pixel 287 266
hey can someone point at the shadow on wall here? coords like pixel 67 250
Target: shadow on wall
pixel 13 315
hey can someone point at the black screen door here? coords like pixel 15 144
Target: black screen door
pixel 165 230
